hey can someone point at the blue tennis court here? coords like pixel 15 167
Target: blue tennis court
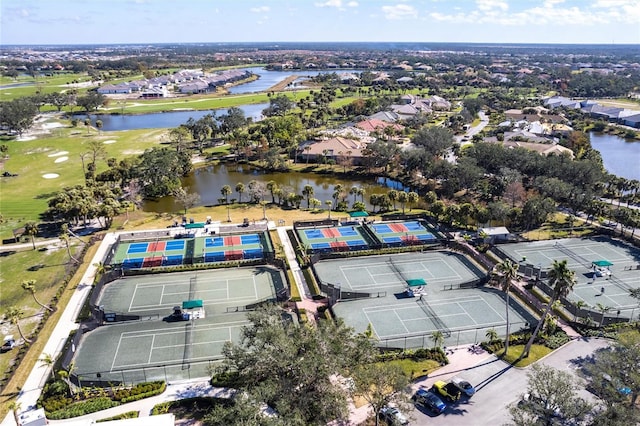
pixel 316 246
pixel 138 247
pixel 250 239
pixel 392 240
pixel 214 242
pixel 313 234
pixel 414 226
pixel 382 229
pixel 174 245
pixel 172 260
pixel 348 231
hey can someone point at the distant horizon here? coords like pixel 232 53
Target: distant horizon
pixel 272 43
pixel 116 22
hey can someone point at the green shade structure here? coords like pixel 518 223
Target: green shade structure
pixel 602 263
pixel 194 225
pixel 416 282
pixel 191 304
pixel 358 214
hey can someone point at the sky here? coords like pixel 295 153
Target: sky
pixel 220 21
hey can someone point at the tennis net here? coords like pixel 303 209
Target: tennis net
pixel 188 344
pixel 440 325
pixel 193 281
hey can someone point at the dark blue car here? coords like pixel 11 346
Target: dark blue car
pixel 429 400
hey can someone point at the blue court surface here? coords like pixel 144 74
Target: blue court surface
pixel 316 246
pixel 382 229
pixel 174 245
pixel 348 231
pixel 138 248
pixel 250 239
pixel 214 242
pixel 313 234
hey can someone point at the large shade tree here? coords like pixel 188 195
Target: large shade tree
pixel 290 367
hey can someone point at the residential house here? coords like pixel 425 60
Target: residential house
pixel 336 149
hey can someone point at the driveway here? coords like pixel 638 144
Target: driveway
pixel 498 385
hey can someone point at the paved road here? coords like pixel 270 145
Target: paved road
pixel 499 385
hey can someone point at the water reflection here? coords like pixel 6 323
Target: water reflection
pixel 208 182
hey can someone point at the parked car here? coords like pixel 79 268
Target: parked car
pixel 448 390
pixel 539 406
pixel 464 386
pixel 429 400
pixel 8 343
pixel 393 417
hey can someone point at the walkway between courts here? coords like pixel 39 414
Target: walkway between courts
pixel 307 303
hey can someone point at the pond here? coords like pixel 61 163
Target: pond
pixel 270 78
pixel 620 156
pixel 208 182
pixel 167 119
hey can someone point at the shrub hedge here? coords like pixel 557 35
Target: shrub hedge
pixel 83 407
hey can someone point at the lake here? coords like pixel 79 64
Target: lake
pixel 270 78
pixel 620 157
pixel 208 182
pixel 171 119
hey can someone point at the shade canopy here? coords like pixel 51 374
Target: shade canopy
pixel 191 304
pixel 602 263
pixel 199 225
pixel 358 214
pixel 416 282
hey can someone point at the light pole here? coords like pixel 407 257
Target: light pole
pixel 228 213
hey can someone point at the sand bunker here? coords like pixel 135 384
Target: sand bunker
pixel 50 175
pixel 58 154
pixel 110 141
pixel 61 159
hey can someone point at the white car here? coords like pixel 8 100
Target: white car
pixel 8 343
pixel 393 417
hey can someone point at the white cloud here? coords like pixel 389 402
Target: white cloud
pixel 497 12
pixel 261 9
pixel 352 4
pixel 330 3
pixel 399 11
pixel 488 5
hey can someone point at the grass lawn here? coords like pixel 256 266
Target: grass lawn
pixel 416 369
pixel 24 197
pixel 55 83
pixel 48 267
pixel 31 358
pixel 537 352
pixel 558 226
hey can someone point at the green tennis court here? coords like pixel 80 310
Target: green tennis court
pixel 580 253
pixel 391 273
pixel 134 351
pixel 156 294
pixel 334 238
pixel 443 304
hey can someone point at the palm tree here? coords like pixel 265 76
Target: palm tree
pixel 507 271
pixel 307 191
pixel 64 236
pixel 31 287
pixel 240 188
pixel 603 309
pixel 31 229
pixel 226 191
pixel 272 186
pixel 412 199
pixel 65 376
pixel 15 406
pixel 47 360
pixel 14 315
pixel 402 199
pixel 438 338
pixel 562 279
pixel 579 305
pixel 393 196
pixel 329 203
pixel 492 335
pixel 354 191
pixel 362 192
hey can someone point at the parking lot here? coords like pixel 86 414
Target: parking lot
pixel 497 384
